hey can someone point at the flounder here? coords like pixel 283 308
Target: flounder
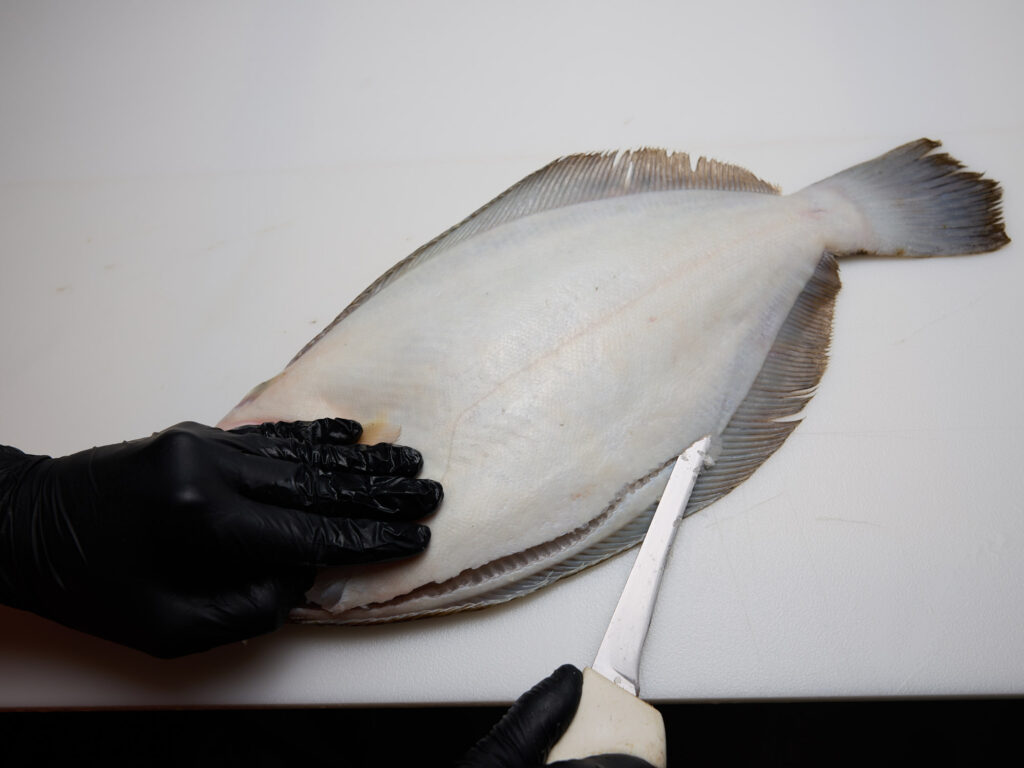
pixel 554 352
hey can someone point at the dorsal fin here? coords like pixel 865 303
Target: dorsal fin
pixel 568 181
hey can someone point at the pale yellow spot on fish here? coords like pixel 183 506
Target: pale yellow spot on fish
pixel 380 432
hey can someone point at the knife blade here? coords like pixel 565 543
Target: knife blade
pixel 610 717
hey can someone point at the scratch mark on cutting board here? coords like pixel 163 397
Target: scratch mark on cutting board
pixel 847 520
pixel 944 316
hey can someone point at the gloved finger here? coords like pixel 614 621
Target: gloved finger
pixel 378 497
pixel 266 534
pixel 379 459
pixel 336 431
pixel 526 733
pixel 327 492
pixel 346 541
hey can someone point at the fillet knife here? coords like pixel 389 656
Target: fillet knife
pixel 610 717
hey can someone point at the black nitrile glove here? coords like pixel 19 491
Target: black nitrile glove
pixel 534 724
pixel 196 537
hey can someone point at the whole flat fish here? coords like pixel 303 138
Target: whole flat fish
pixel 552 354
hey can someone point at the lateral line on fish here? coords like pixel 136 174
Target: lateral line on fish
pixel 661 286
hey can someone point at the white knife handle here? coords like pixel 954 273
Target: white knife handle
pixel 611 721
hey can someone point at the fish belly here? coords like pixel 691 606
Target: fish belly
pixel 550 367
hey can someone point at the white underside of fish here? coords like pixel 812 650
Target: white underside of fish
pixel 551 366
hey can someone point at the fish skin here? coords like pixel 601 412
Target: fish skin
pixel 551 361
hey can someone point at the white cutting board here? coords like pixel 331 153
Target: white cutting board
pixel 187 195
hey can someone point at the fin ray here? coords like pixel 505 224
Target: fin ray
pixel 568 181
pixel 786 382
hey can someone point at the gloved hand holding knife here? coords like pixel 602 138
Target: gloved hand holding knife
pixel 525 735
pixel 595 720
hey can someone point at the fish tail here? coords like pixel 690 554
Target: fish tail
pixel 912 202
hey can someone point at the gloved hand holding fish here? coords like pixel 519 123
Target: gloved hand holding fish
pixel 195 537
pixel 553 354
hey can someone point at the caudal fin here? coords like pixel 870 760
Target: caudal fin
pixel 921 204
